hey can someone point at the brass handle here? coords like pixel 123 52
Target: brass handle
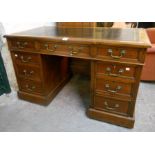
pixel 122 53
pixel 73 50
pixel 28 74
pixel 108 69
pixel 22 44
pixel 30 88
pixel 25 60
pixel 110 108
pixel 51 50
pixel 113 91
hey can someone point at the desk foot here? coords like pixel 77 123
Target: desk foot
pixel 111 118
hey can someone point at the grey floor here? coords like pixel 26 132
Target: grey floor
pixel 67 111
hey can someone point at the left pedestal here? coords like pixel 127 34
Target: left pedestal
pixel 40 77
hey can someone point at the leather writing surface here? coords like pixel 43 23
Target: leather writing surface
pixel 130 36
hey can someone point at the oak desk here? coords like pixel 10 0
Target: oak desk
pixel 40 58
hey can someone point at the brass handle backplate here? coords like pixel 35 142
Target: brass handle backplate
pixel 30 88
pixel 22 44
pixel 109 107
pixel 73 50
pixel 25 60
pixel 108 69
pixel 26 73
pixel 112 91
pixel 53 48
pixel 122 53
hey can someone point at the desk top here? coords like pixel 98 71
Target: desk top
pixel 113 36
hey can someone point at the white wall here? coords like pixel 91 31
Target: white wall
pixel 17 26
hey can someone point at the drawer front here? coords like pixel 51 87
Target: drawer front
pixel 22 44
pixel 111 105
pixel 114 88
pixel 65 49
pixel 120 54
pixel 80 51
pixel 26 58
pixel 28 72
pixel 115 70
pixel 30 86
pixel 52 47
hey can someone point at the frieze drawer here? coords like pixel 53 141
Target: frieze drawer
pixel 119 54
pixel 22 44
pixel 65 49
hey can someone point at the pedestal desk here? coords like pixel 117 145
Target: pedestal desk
pixel 41 61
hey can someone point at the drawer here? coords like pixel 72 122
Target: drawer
pixel 52 47
pixel 115 70
pixel 22 44
pixel 28 72
pixel 65 49
pixel 26 58
pixel 112 105
pixel 114 88
pixel 30 86
pixel 80 51
pixel 119 54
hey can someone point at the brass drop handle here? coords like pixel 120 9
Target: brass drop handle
pixel 51 50
pixel 112 91
pixel 110 108
pixel 25 60
pixel 30 88
pixel 122 53
pixel 22 44
pixel 73 50
pixel 108 69
pixel 28 74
